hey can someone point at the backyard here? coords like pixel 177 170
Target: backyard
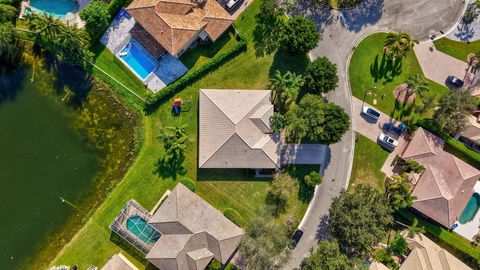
pixel 368 160
pixel 147 179
pixel 374 77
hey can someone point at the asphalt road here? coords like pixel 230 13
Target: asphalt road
pixel 341 31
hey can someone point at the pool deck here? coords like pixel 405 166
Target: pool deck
pixel 470 229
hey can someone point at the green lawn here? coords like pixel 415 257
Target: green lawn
pixel 368 160
pixel 457 49
pixel 146 182
pixel 372 76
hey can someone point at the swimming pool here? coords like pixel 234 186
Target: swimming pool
pixel 140 228
pixel 56 8
pixel 471 209
pixel 138 59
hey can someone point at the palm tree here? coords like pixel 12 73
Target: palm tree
pixel 46 28
pixel 417 84
pixel 414 229
pixel 285 88
pixel 397 190
pixel 7 11
pixel 398 44
pixel 175 140
pixel 71 42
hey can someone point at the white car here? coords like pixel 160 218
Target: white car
pixel 370 112
pixel 388 140
pixel 231 4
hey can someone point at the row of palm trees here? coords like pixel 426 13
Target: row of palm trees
pixel 68 43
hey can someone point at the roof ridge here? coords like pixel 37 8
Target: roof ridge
pixel 440 185
pixel 201 90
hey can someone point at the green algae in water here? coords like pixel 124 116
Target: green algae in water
pixel 64 135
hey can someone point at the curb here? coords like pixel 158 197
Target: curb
pixel 445 34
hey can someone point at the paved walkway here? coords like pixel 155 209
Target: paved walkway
pixel 341 31
pixel 436 65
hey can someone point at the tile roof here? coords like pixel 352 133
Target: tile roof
pixel 427 255
pixel 446 185
pixel 173 23
pixel 235 130
pixel 193 232
pixel 119 262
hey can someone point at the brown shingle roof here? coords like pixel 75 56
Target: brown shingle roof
pixel 148 42
pixel 173 23
pixel 446 185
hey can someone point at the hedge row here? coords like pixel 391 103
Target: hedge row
pixel 154 99
pixel 454 240
pixel 457 147
pixel 234 216
pixel 189 183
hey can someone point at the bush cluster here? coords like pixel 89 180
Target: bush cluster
pixel 96 17
pixel 180 84
pixel 234 216
pixel 189 183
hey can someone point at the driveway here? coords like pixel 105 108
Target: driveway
pixel 341 31
pixel 436 65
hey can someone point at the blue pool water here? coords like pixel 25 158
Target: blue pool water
pixel 471 209
pixel 56 8
pixel 139 227
pixel 138 59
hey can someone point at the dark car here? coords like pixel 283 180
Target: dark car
pixel 296 238
pixel 454 81
pixel 390 127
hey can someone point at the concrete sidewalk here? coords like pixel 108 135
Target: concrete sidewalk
pixel 436 65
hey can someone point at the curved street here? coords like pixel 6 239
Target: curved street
pixel 341 31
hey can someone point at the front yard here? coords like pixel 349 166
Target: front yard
pixel 146 181
pixel 457 49
pixel 374 77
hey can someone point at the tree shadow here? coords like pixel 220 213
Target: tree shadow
pixel 322 230
pixel 170 167
pixel 12 81
pixel 284 62
pixel 367 13
pixel 266 33
pixel 75 79
pixel 321 15
pixel 385 69
pixel 305 192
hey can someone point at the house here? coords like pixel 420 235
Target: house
pixel 173 25
pixel 377 266
pixel 119 262
pixel 444 188
pixel 193 233
pixel 471 135
pixel 235 132
pixel 426 254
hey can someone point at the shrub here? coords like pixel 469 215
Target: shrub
pixel 189 183
pixel 382 255
pixel 313 179
pixel 277 122
pixel 234 216
pixel 96 17
pixel 411 165
pixel 320 76
pixel 279 191
pixel 399 246
pixel 154 99
pixel 116 5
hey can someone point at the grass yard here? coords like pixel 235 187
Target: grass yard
pixel 457 49
pixel 372 76
pixel 368 160
pixel 146 181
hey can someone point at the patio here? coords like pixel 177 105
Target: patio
pixel 471 228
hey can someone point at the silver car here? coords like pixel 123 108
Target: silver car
pixel 388 140
pixel 231 4
pixel 370 112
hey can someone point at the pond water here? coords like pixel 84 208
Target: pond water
pixel 48 167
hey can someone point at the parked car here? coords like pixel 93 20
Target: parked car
pixel 390 127
pixel 454 81
pixel 388 140
pixel 370 112
pixel 296 238
pixel 231 4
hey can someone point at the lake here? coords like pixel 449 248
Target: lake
pixel 53 160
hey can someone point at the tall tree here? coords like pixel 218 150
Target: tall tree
pixel 320 76
pixel 174 142
pixel 279 191
pixel 360 219
pixel 71 43
pixel 315 121
pixel 327 256
pixel 264 245
pixel 454 108
pixel 398 44
pixel 7 11
pixel 285 89
pixel 46 28
pixel 300 35
pixel 398 192
pixel 10 44
pixel 417 84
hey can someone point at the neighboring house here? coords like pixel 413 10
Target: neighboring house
pixel 176 24
pixel 183 233
pixel 471 135
pixel 444 188
pixel 426 255
pixel 119 262
pixel 377 266
pixel 235 133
